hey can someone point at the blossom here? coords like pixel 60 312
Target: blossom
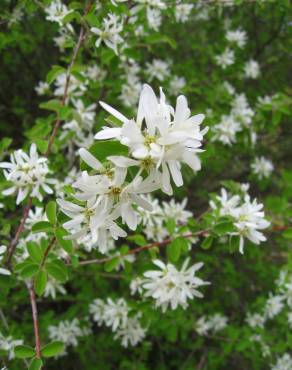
pixel 158 69
pixel 52 288
pixel 202 326
pixel 110 33
pixel 283 363
pixel 173 287
pixel 249 220
pixel 169 137
pixel 115 314
pixel 8 344
pixel 3 271
pixel 218 322
pixel 67 332
pixel 57 11
pixel 27 173
pixel 262 167
pixel 182 12
pixel 255 320
pixel 237 37
pixel 226 130
pixel 154 18
pixel 225 59
pixel 131 333
pixel 251 69
pixel 230 89
pixel 227 203
pixel 136 285
pixel 241 111
pixel 176 85
pixel 274 306
pixel 42 88
pixel 75 88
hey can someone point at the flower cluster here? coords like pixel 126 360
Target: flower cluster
pixel 116 315
pixel 28 174
pixel 171 287
pixel 213 323
pixel 248 216
pixel 158 141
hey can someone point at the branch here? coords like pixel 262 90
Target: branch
pixel 14 242
pixel 49 247
pixel 81 38
pixel 143 248
pixel 35 320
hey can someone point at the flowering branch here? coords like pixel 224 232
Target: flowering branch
pixel 143 248
pixel 35 320
pixel 81 38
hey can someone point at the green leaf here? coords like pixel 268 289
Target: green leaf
pixel 287 234
pixel 42 226
pixel 174 249
pixel 52 349
pixel 112 264
pixel 54 73
pixel 42 145
pixel 223 228
pixel 29 271
pixel 4 144
pixel 34 251
pixel 170 225
pixel 35 364
pixel 137 239
pixel 53 105
pixel 40 282
pixel 233 243
pixel 51 212
pixel 207 242
pixel 65 244
pixel 56 271
pixel 24 351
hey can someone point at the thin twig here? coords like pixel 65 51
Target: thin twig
pixel 47 251
pixel 143 248
pixel 35 320
pixel 13 244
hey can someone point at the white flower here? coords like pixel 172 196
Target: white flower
pixel 289 317
pixel 27 173
pixel 265 100
pixel 3 271
pixel 249 220
pixel 57 11
pixel 176 85
pixel 241 110
pixel 158 69
pixel 35 215
pixel 237 37
pixel 227 204
pixel 251 69
pixel 136 286
pixel 218 322
pixel 42 88
pixel 172 287
pixel 76 87
pixel 182 12
pixel 52 288
pixel 131 333
pixel 226 130
pixel 154 18
pixel 168 138
pixel 110 33
pixel 176 210
pixel 115 314
pixel 274 306
pixel 67 332
pixel 262 167
pixel 202 326
pixel 230 89
pixel 255 320
pixel 8 344
pixel 283 363
pixel 95 73
pixel 225 59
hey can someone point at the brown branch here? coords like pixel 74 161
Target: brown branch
pixel 47 251
pixel 13 244
pixel 143 248
pixel 35 320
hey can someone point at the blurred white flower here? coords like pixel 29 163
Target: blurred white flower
pixel 262 167
pixel 252 69
pixel 225 59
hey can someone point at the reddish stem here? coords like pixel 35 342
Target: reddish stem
pixel 35 320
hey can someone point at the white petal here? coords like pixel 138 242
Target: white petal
pixel 108 133
pixel 89 159
pixel 114 112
